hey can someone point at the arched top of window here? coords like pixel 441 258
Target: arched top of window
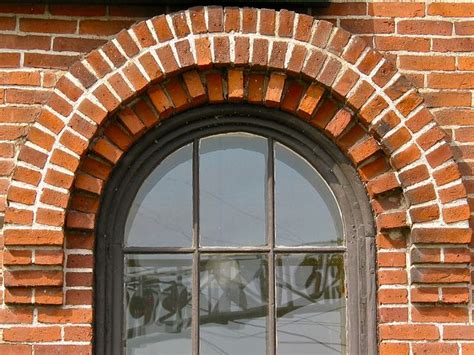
pixel 228 219
pixel 236 172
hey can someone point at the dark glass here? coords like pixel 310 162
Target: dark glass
pixel 306 211
pixel 161 214
pixel 233 190
pixel 311 307
pixel 233 304
pixel 157 298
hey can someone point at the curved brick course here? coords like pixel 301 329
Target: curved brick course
pixel 282 60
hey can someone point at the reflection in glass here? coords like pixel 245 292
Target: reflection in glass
pixel 161 214
pixel 306 212
pixel 157 298
pixel 310 298
pixel 233 304
pixel 232 190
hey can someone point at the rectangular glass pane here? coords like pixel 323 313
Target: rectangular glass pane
pixel 157 294
pixel 233 304
pixel 311 307
pixel 232 179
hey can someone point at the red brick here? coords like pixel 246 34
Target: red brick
pixel 195 87
pixel 235 85
pixel 456 213
pixel 368 26
pixel 249 20
pixel 275 87
pixel 150 66
pixel 340 121
pixel 392 277
pixel 392 296
pixel 107 150
pixel 177 94
pixel 436 348
pixel 394 349
pixel 16 257
pixel 399 43
pixel 54 315
pixel 147 115
pixel 439 275
pixel 458 332
pixel 310 100
pixel 49 257
pixel 232 19
pixel 409 332
pixel 447 174
pixel 161 27
pixel 33 278
pixel 35 334
pixel 396 10
pixel 464 28
pixel 440 314
pixel 330 71
pixel 314 63
pixel 361 94
pixel 215 87
pixel 354 50
pixel 287 20
pixel 47 25
pixel 407 156
pixel 441 235
pixel 25 42
pixel 103 28
pixel 256 88
pixel 242 50
pixel 363 150
pixel 424 214
pixel 277 55
pixel 451 10
pixel 427 63
pixel 260 52
pixel 167 59
pixel 80 220
pixel 292 97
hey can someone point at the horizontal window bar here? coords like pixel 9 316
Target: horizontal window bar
pixel 165 250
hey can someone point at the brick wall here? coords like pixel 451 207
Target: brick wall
pixel 425 290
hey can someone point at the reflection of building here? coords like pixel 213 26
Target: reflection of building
pixel 233 295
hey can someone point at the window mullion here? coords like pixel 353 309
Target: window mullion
pixel 195 273
pixel 271 334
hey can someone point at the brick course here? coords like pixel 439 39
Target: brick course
pixel 402 114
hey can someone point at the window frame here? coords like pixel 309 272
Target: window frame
pixel 168 136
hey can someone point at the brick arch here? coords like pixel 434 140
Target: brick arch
pixel 289 61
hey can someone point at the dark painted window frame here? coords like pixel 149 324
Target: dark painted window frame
pixel 298 135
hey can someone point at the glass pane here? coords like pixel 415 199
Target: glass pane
pixel 232 190
pixel 306 212
pixel 162 212
pixel 157 302
pixel 310 304
pixel 233 304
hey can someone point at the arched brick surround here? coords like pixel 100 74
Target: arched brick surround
pixel 283 60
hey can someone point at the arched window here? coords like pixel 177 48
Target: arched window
pixel 235 230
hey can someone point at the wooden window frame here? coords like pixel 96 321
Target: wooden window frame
pixel 184 128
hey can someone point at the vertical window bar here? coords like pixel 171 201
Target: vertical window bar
pixel 271 333
pixel 195 266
